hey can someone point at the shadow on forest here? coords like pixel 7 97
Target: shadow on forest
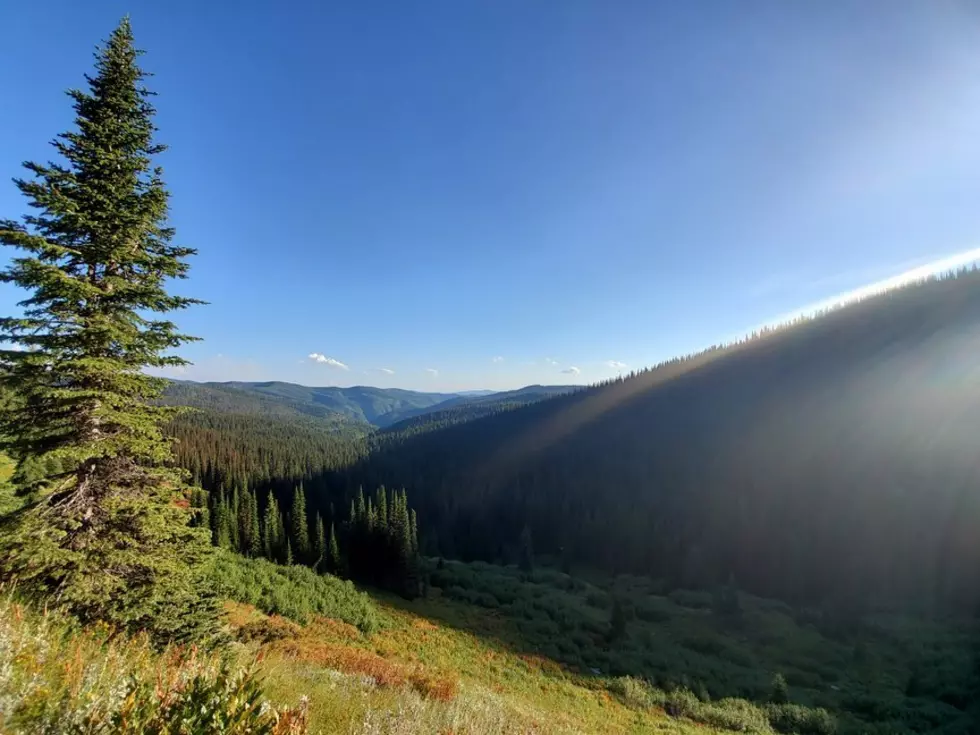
pixel 897 670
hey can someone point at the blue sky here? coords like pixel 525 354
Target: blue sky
pixel 489 194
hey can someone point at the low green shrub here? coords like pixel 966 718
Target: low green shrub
pixel 692 599
pixel 779 690
pixel 793 718
pixel 737 715
pixel 295 592
pixel 682 703
pixel 636 693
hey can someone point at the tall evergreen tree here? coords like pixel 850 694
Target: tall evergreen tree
pixel 383 507
pixel 361 508
pixel 254 533
pixel 103 529
pixel 299 526
pixel 235 520
pixel 334 564
pixel 281 535
pixel 221 533
pixel 271 538
pixel 414 531
pixel 319 545
pixel 199 502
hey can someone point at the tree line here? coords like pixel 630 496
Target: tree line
pixel 377 542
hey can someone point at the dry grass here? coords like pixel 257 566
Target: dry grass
pixel 55 678
pixel 416 676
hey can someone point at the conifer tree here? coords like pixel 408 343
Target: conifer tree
pixel 289 553
pixel 271 538
pixel 103 530
pixel 300 526
pixel 361 509
pixel 254 534
pixel 334 552
pixel 235 520
pixel 382 508
pixel 229 527
pixel 281 535
pixel 404 525
pixel 220 531
pixel 199 502
pixel 414 531
pixel 319 545
pixel 243 518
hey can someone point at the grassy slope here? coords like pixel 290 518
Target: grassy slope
pixel 417 676
pixel 496 652
pixel 56 678
pixel 444 664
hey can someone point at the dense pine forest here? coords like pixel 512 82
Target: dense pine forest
pixel 825 462
pixel 830 461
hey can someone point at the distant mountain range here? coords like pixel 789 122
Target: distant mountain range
pixel 375 407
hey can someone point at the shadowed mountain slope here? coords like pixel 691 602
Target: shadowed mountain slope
pixel 832 459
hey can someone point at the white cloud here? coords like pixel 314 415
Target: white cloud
pixel 551 361
pixel 498 358
pixel 324 360
pixel 432 371
pixel 571 370
pixel 616 364
pixel 386 371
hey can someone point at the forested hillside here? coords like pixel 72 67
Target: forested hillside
pixel 360 404
pixel 829 460
pixel 240 436
pixel 832 460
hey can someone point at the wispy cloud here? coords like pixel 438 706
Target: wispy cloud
pixel 572 370
pixel 386 371
pixel 498 358
pixel 324 360
pixel 432 371
pixel 551 361
pixel 616 364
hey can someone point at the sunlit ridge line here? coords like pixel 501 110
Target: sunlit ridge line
pixel 939 267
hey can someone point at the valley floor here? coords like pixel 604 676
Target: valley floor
pixel 490 650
